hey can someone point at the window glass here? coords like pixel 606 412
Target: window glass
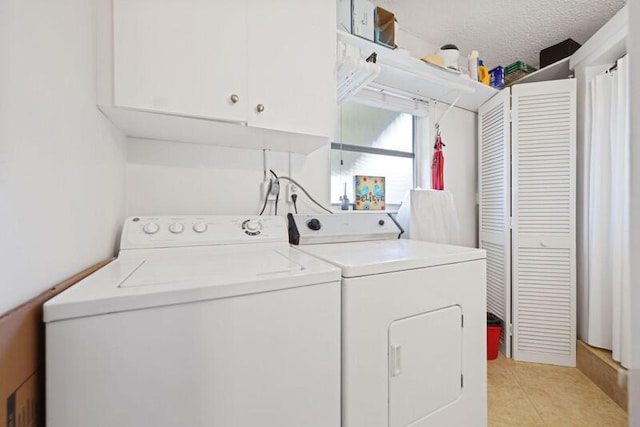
pixel 374 142
pixel 375 127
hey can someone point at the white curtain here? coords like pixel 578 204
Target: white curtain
pixel 608 194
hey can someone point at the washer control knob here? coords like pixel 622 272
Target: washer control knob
pixel 176 228
pixel 199 227
pixel 314 224
pixel 381 222
pixel 252 225
pixel 151 228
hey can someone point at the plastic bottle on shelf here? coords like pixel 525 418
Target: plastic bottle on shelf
pixel 483 73
pixel 344 200
pixel 473 64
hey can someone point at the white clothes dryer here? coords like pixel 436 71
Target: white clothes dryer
pixel 413 322
pixel 201 321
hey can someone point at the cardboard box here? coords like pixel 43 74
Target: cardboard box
pixel 385 28
pixel 22 358
pixel 557 52
pixel 363 19
pixel 516 71
pixel 370 193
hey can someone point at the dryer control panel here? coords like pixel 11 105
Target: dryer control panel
pixel 176 231
pixel 339 227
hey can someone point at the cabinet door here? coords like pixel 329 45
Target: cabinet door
pixel 292 47
pixel 425 364
pixel 544 225
pixel 181 57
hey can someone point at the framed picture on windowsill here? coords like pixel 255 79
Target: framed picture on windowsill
pixel 369 193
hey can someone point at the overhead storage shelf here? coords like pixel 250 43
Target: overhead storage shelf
pixel 416 79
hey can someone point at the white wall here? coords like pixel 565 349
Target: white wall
pixel 459 133
pixel 417 47
pixel 171 178
pixel 61 163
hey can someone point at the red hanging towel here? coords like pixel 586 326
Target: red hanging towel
pixel 437 167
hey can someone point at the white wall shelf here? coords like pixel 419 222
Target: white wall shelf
pixel 557 71
pixel 414 78
pixel 155 126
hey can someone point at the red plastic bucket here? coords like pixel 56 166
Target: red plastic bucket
pixel 493 341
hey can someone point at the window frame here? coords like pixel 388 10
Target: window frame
pixel 415 123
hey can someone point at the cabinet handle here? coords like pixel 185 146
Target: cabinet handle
pixel 259 108
pixel 395 359
pixel 234 98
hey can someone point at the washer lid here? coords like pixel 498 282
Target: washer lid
pixel 169 268
pixel 385 256
pixel 157 277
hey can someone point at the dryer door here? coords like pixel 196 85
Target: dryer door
pixel 425 364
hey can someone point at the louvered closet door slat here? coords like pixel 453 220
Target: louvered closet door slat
pixel 494 200
pixel 544 264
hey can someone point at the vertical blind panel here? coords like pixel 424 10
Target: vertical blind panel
pixel 493 173
pixel 544 322
pixel 544 135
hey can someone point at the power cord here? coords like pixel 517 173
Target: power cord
pixel 294 197
pixel 266 198
pixel 277 194
pixel 303 190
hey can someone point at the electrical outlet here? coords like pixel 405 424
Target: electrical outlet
pixel 264 187
pixel 290 191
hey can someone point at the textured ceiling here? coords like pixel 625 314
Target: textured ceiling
pixel 503 31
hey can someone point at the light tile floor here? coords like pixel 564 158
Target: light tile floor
pixel 529 394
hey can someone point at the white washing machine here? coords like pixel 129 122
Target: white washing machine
pixel 201 321
pixel 413 322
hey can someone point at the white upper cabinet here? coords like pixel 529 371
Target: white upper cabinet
pixel 181 57
pixel 292 47
pixel 242 73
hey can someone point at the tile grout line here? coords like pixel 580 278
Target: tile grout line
pixel 526 395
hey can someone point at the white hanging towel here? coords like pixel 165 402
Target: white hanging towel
pixel 429 215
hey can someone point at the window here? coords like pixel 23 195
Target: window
pixel 375 142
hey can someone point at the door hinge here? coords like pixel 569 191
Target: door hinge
pixel 511 223
pixel 462 321
pixel 461 380
pixel 510 329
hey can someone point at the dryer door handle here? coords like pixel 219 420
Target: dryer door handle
pixel 395 359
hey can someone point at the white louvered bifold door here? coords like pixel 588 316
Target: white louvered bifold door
pixel 494 155
pixel 544 236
